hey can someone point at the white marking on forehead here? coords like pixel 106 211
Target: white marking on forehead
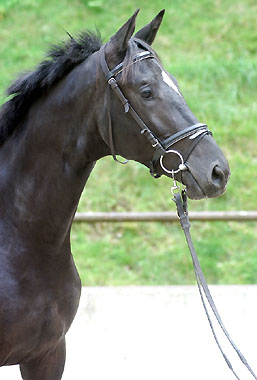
pixel 167 79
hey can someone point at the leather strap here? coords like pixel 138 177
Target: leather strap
pixel 127 108
pixel 181 203
pixel 160 147
pixel 119 68
pixel 189 131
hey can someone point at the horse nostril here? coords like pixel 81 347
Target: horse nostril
pixel 218 176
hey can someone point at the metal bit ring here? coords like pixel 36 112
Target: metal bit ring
pixel 181 166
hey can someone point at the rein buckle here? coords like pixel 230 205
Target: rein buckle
pixel 175 189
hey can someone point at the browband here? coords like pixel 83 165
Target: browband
pixel 137 58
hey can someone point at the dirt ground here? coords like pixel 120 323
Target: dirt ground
pixel 156 333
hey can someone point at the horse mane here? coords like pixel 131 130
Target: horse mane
pixel 30 86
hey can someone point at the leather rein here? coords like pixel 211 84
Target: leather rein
pixel 181 202
pixel 162 147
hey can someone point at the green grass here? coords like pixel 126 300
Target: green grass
pixel 210 47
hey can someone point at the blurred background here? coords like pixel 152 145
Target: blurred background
pixel 210 47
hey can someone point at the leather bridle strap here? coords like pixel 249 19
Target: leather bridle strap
pixel 196 131
pixel 181 203
pixel 127 106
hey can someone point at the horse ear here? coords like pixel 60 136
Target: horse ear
pixel 119 42
pixel 149 32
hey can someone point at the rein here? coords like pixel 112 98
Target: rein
pixel 194 132
pixel 181 203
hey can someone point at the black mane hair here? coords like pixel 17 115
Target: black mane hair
pixel 59 61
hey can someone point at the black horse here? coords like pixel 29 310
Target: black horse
pixel 60 119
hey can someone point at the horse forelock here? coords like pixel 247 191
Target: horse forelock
pixel 59 61
pixel 130 69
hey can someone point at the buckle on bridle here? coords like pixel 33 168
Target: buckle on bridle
pixel 175 189
pixel 155 143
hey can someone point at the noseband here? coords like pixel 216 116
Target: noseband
pixel 162 147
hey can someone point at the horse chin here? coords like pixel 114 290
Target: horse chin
pixel 193 189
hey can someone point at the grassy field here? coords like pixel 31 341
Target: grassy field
pixel 210 47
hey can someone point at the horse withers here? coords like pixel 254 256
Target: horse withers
pixel 61 118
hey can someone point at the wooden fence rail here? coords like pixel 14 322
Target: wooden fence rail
pixel 97 217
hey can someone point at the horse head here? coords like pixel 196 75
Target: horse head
pixel 149 103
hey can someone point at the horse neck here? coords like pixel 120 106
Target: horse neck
pixel 46 163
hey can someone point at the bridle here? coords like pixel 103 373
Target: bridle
pixel 161 147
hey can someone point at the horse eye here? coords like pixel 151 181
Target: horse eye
pixel 146 93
